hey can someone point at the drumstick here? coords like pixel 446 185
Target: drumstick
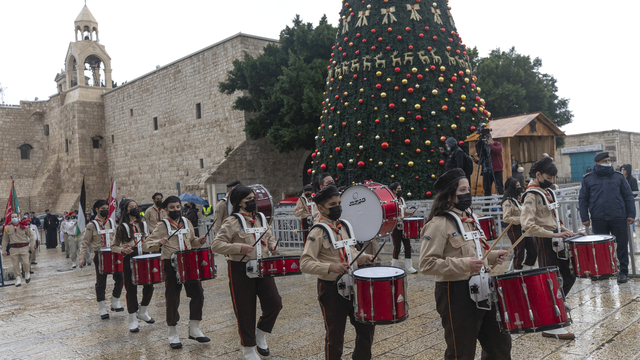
pixel 210 227
pixel 354 260
pixel 497 241
pixel 384 242
pixel 254 244
pixel 513 246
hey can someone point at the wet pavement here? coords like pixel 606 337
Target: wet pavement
pixel 56 317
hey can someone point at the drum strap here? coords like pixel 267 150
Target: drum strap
pixel 553 205
pixel 180 233
pixel 104 233
pixel 516 203
pixel 311 206
pixel 256 231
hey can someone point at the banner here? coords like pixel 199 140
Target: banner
pixel 82 218
pixel 112 201
pixel 12 204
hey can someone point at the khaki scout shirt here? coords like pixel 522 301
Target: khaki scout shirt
pixel 302 209
pixel 511 212
pixel 153 216
pixel 123 240
pixel 231 237
pixel 152 243
pixel 15 235
pixel 319 252
pixel 444 251
pixel 91 236
pixel 220 214
pixel 536 216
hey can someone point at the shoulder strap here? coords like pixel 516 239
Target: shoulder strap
pixel 326 229
pixel 243 224
pixel 96 224
pixel 537 192
pixel 166 222
pixel 126 227
pixel 145 228
pixel 348 227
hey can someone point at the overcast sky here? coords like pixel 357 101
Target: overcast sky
pixel 590 46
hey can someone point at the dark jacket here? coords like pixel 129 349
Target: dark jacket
pixel 192 215
pixel 605 195
pixel 35 221
pixel 633 183
pixel 51 222
pixel 454 158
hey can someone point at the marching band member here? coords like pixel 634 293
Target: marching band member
pixel 128 244
pixel 93 238
pixel 446 254
pixel 166 237
pixel 36 236
pixel 397 236
pixel 232 240
pixel 511 209
pixel 20 238
pixel 304 210
pixel 544 224
pixel 321 259
pixel 155 213
pixel 221 211
pixel 68 227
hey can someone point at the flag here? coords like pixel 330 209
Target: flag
pixel 12 204
pixel 82 219
pixel 112 201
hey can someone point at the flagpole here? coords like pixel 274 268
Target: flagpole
pixel 2 283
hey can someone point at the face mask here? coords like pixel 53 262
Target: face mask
pixel 335 212
pixel 464 202
pixel 134 212
pixel 175 215
pixel 546 184
pixel 307 194
pixel 399 193
pixel 158 203
pixel 104 213
pixel 250 205
pixel 606 164
pixel 14 220
pixel 519 190
pixel 448 149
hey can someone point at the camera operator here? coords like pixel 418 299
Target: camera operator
pixel 489 156
pixel 455 157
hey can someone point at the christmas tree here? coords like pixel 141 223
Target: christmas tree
pixel 399 84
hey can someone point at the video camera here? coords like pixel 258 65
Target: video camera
pixel 483 131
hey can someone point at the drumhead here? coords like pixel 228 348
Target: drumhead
pixel 485 218
pixel 146 256
pixel 413 219
pixel 362 209
pixel 379 272
pixel 105 249
pixel 517 274
pixel 592 239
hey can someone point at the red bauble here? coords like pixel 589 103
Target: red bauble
pixel 478 98
pixel 355 76
pixel 450 90
pixel 378 86
pixel 397 69
pixel 344 123
pixel 360 164
pixel 454 79
pixel 309 171
pixel 418 117
pixel 407 141
pixel 380 39
pixel 373 31
pixel 338 149
pixel 432 68
pixel 357 52
pixel 344 54
pixel 408 76
pixel 460 73
pixel 429 194
pixel 399 38
pixel 392 106
pixel 445 108
pixel 397 166
pixel 313 156
pixel 324 140
pixel 419 76
pixel 388 48
pixel 460 143
pixel 340 166
pixel 384 145
pixel 389 29
pixel 418 151
pixel 421 36
pixel 373 48
pixel 408 29
pixel 377 121
pixel 474 110
pixel 486 112
pixel 323 167
pixel 473 128
pixel 410 47
pixel 410 90
pixel 441 162
pixel 443 138
pixel 322 126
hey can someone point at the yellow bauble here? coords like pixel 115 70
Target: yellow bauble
pixel 338 112
pixel 481 108
pixel 412 129
pixel 361 90
pixel 350 44
pixel 388 79
pixel 463 109
pixel 346 104
pixel 383 95
pixel 401 154
pixel 370 159
pixel 482 101
pixel 375 108
pixel 404 81
pixel 467 72
pixel 442 68
pixel 488 113
pixel 454 126
pixel 340 77
pixel 359 122
pixel 414 70
pixel 319 128
pixel 330 127
pixel 335 135
pixel 379 163
pixel 433 176
pixel 386 116
pixel 393 176
pixel 441 79
pixel 446 99
pixel 466 80
pixel 438 126
pixel 410 163
pixel 417 106
pixel 401 119
pixel 330 156
pixel 478 90
pixel 379 73
pixel 428 142
pixel 428 161
pixel 350 82
pixel 434 92
pixel 463 97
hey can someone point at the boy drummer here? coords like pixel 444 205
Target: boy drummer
pixel 321 259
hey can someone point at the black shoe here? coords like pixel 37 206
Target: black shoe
pixel 117 310
pixel 67 256
pixel 34 263
pixel 30 272
pixel 263 352
pixel 27 280
pixel 201 339
pixel 622 278
pixel 176 345
pixel 134 330
pixel 104 317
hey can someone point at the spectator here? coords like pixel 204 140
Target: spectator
pixel 519 175
pixel 489 176
pixel 514 164
pixel 51 228
pixel 322 180
pixel 34 220
pixel 455 157
pixel 626 171
pixel 588 169
pixel 606 203
pixel 192 215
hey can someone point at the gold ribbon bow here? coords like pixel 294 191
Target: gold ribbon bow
pixel 451 18
pixel 345 23
pixel 362 18
pixel 414 13
pixel 436 16
pixel 388 13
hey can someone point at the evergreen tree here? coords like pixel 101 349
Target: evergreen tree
pixel 399 84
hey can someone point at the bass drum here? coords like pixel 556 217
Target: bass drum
pixel 264 201
pixel 371 208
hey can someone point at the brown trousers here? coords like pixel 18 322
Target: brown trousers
pixel 335 310
pixel 20 255
pixel 172 295
pixel 243 295
pixel 101 281
pixel 305 226
pixel 398 240
pixel 132 290
pixel 548 257
pixel 464 324
pixel 528 244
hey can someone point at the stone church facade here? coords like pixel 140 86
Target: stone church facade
pixel 168 128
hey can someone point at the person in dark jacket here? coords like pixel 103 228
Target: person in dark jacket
pixel 192 215
pixel 51 223
pixel 606 203
pixel 454 157
pixel 626 171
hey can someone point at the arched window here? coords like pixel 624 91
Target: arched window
pixel 25 151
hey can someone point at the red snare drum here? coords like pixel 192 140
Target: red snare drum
pixel 280 266
pixel 488 225
pixel 594 256
pixel 372 209
pixel 110 262
pixel 380 295
pixel 194 265
pixel 530 301
pixel 147 269
pixel 264 201
pixel 411 227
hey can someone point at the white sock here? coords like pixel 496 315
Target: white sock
pixel 557 331
pixel 261 339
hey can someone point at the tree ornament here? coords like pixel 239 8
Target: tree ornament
pixel 324 140
pixel 338 149
pixel 360 147
pixel 445 108
pixel 433 176
pixel 401 119
pixel 428 193
pixel 392 106
pixel 463 97
pixel 404 81
pixel 330 127
pixel 383 95
pixel 340 166
pixel 407 141
pixel 418 151
pixel 418 117
pixel 463 109
pixel 460 143
pixel 309 171
pixel 410 163
pixel 441 162
pixel 433 113
pixel 473 128
pixel 377 137
pixel 361 164
pixel 380 163
pixel 434 92
pixel 428 142
pixel 350 161
pixel 441 79
pixel 323 167
pixel 359 122
pixel 378 73
pixel 385 145
pixel 443 138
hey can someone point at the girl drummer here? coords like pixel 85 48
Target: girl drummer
pixel 397 234
pixel 126 243
pixel 167 238
pixel 511 209
pixel 232 240
pixel 451 259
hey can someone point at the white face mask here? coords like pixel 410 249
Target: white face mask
pixel 606 164
pixel 15 220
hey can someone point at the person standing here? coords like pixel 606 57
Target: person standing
pixel 455 157
pixel 606 203
pixel 626 171
pixel 207 210
pixel 192 215
pixel 130 236
pixel 172 234
pixel 234 241
pixel 18 236
pixel 397 233
pixel 155 213
pixel 221 211
pixel 544 224
pixel 36 236
pixel 51 223
pixel 99 234
pixel 305 210
pixel 453 260
pixel 497 166
pixel 320 258
pixel 68 228
pixel 511 210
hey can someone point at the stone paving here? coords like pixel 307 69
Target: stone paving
pixel 55 317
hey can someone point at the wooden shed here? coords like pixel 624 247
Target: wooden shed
pixel 526 137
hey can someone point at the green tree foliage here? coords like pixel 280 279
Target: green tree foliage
pixel 386 122
pixel 283 86
pixel 513 85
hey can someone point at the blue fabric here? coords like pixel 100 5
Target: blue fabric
pixel 617 228
pixel 605 194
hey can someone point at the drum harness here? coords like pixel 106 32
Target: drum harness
pixel 253 270
pixel 180 232
pixel 558 244
pixel 344 282
pixel 105 232
pixel 137 235
pixel 311 207
pixel 478 284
